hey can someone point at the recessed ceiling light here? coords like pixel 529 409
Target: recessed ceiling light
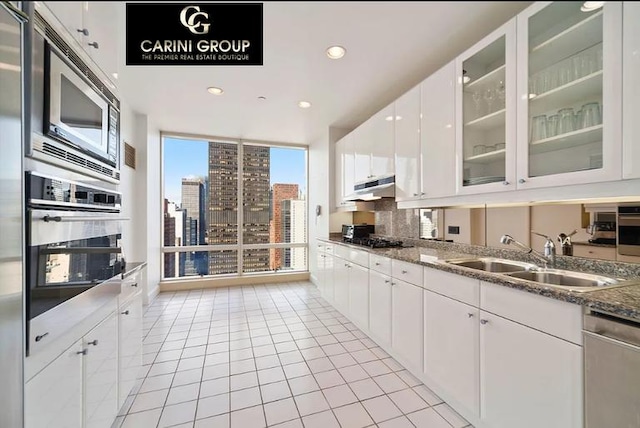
pixel 589 6
pixel 215 90
pixel 304 104
pixel 261 98
pixel 336 52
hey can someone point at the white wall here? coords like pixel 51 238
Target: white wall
pixel 154 206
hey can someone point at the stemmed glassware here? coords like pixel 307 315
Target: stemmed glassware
pixel 489 96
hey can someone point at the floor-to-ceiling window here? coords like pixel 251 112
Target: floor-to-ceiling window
pixel 232 207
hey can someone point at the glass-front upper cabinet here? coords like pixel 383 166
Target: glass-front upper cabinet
pixel 569 94
pixel 486 113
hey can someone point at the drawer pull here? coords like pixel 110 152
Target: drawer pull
pixel 125 312
pixel 470 315
pixel 84 31
pixel 404 271
pixel 94 44
pixel 41 336
pixel 484 321
pixel 386 281
pixel 135 284
pixel 93 342
pixel 377 264
pixel 83 352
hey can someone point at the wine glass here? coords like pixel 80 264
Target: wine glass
pixel 477 96
pixel 500 91
pixel 489 96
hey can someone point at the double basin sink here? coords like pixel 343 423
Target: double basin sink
pixel 564 279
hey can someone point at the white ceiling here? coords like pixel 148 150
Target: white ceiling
pixel 391 47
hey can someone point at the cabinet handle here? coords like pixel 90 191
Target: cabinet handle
pixel 522 180
pixel 393 283
pixel 93 342
pixel 83 31
pixel 83 352
pixel 41 336
pixel 421 193
pixel 415 194
pixel 506 183
pixel 125 312
pixel 470 315
pixel 377 264
pixel 94 44
pixel 404 271
pixel 484 321
pixel 386 281
pixel 135 284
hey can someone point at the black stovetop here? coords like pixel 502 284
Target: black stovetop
pixel 374 242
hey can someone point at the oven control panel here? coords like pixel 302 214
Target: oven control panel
pixel 52 191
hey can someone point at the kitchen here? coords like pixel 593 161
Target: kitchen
pixel 472 169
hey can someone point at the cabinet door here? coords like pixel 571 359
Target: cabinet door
pixel 320 271
pixel 341 285
pixel 381 142
pixel 53 397
pixel 380 306
pixel 451 348
pixel 69 13
pixel 101 374
pixel 129 346
pixel 407 146
pixel 359 295
pixel 328 278
pixel 570 87
pixel 407 333
pixel 631 95
pixel 529 379
pixel 362 137
pixel 437 133
pixel 486 113
pixel 102 41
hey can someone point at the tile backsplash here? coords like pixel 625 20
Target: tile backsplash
pixel 391 221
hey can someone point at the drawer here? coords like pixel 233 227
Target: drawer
pixel 130 285
pixel 458 287
pixel 560 319
pixel 408 272
pixel 321 246
pixel 359 257
pixel 591 252
pixel 380 264
pixel 341 251
pixel 328 248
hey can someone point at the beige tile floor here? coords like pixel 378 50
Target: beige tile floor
pixel 270 356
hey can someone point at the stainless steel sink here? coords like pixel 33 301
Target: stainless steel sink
pixel 569 280
pixel 489 264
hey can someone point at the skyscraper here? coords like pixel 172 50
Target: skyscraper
pixel 169 240
pixel 223 206
pixel 195 227
pixel 279 193
pixel 294 229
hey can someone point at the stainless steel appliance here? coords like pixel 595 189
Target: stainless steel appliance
pixel 73 248
pixel 602 232
pixel 374 188
pixel 377 242
pixel 351 231
pixel 75 116
pixel 629 230
pixel 12 23
pixel 612 371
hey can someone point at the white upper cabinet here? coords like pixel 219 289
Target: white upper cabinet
pixel 407 142
pixel 569 92
pixel 631 90
pixel 437 134
pixel 344 168
pixel 374 147
pixel 93 26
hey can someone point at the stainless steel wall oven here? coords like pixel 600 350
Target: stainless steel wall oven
pixel 74 233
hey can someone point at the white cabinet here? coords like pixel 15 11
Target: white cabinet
pixel 437 133
pixel 53 398
pixel 451 348
pixel 374 145
pixel 407 147
pixel 486 113
pixel 569 92
pixel 529 379
pixel 631 90
pixel 344 170
pixel 324 271
pixel 91 25
pixel 406 323
pixel 380 307
pixel 359 295
pixel 341 284
pixel 129 345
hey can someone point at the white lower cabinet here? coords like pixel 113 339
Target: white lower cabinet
pixel 406 323
pixel 529 379
pixel 327 276
pixel 129 345
pixel 380 307
pixel 101 374
pixel 359 295
pixel 341 285
pixel 53 398
pixel 451 348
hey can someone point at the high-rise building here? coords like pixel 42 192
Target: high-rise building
pixel 294 229
pixel 279 193
pixel 223 206
pixel 169 240
pixel 195 226
pixel 179 217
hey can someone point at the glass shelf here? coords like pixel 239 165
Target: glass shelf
pixel 580 137
pixel 492 120
pixel 586 88
pixel 489 79
pixel 496 155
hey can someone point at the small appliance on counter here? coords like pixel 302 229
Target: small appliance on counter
pixel 356 231
pixel 602 232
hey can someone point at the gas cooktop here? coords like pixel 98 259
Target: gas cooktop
pixel 375 242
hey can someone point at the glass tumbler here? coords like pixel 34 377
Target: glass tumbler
pixel 552 125
pixel 565 123
pixel 578 120
pixel 539 128
pixel 591 115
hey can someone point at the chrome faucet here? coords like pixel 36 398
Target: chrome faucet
pixel 549 255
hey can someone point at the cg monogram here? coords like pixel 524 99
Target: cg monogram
pixel 188 17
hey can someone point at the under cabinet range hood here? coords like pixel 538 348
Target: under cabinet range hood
pixel 374 188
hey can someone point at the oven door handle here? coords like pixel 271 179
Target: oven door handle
pixel 59 219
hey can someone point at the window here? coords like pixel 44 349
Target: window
pixel 233 207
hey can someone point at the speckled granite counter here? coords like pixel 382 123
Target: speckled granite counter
pixel 623 301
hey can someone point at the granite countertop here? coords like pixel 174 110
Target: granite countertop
pixel 132 267
pixel 624 301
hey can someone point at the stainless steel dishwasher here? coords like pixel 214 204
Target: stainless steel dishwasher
pixel 612 371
